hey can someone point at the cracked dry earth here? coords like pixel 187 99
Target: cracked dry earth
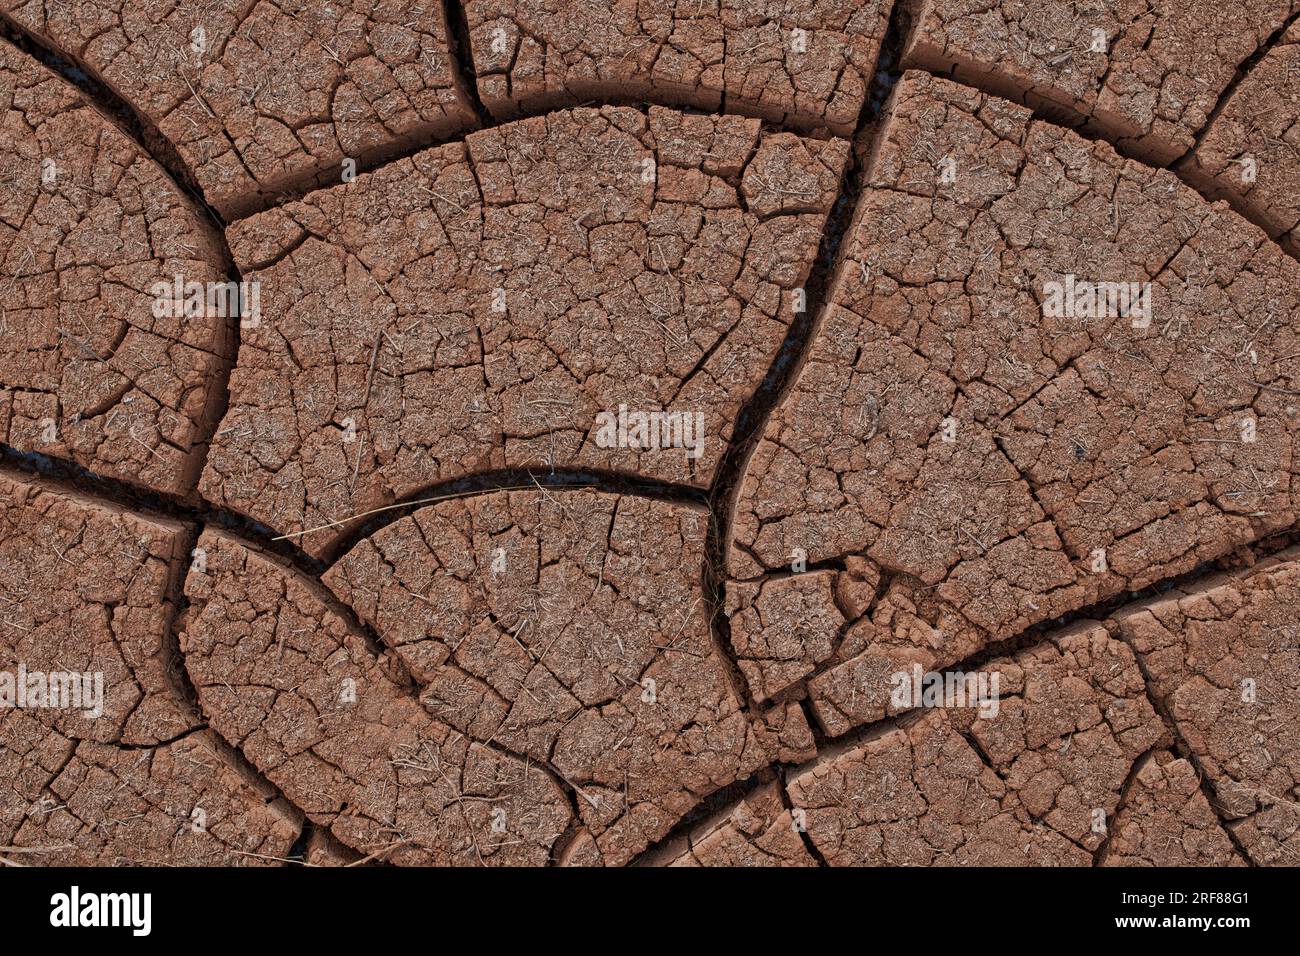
pixel 356 574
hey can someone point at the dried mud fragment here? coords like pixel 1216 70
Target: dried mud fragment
pixel 1224 661
pixel 482 305
pixel 1144 75
pixel 89 225
pixel 785 734
pixel 324 850
pixel 185 803
pixel 1000 464
pixel 261 97
pixel 756 830
pixel 1166 820
pixel 1024 787
pixel 806 64
pixel 118 769
pixel 282 676
pixel 782 628
pixel 1250 152
pixel 569 627
pixel 86 587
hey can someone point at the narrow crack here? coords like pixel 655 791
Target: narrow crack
pixel 1184 750
pixel 145 132
pixel 715 804
pixel 112 106
pixel 1245 557
pixel 149 502
pixel 787 801
pixel 1103 849
pixel 298 852
pixel 137 127
pixel 1100 611
pixel 720 499
pixel 259 538
pixel 509 479
pixel 179 679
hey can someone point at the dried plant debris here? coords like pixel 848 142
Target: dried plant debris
pixel 519 667
pixel 1167 821
pixel 286 678
pixel 1033 784
pixel 756 830
pixel 1249 153
pixel 1224 660
pixel 555 626
pixel 522 433
pixel 104 761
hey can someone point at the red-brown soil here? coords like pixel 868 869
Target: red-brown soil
pixel 88 225
pixel 388 573
pixel 477 306
pixel 87 587
pixel 1146 75
pixel 1250 153
pixel 261 97
pixel 1088 457
pixel 806 64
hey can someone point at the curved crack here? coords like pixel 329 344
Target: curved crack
pixel 1087 131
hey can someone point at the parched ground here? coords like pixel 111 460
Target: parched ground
pixel 88 224
pixel 139 778
pixel 257 97
pixel 621 405
pixel 476 306
pixel 807 64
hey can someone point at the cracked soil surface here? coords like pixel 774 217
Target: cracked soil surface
pixel 536 433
